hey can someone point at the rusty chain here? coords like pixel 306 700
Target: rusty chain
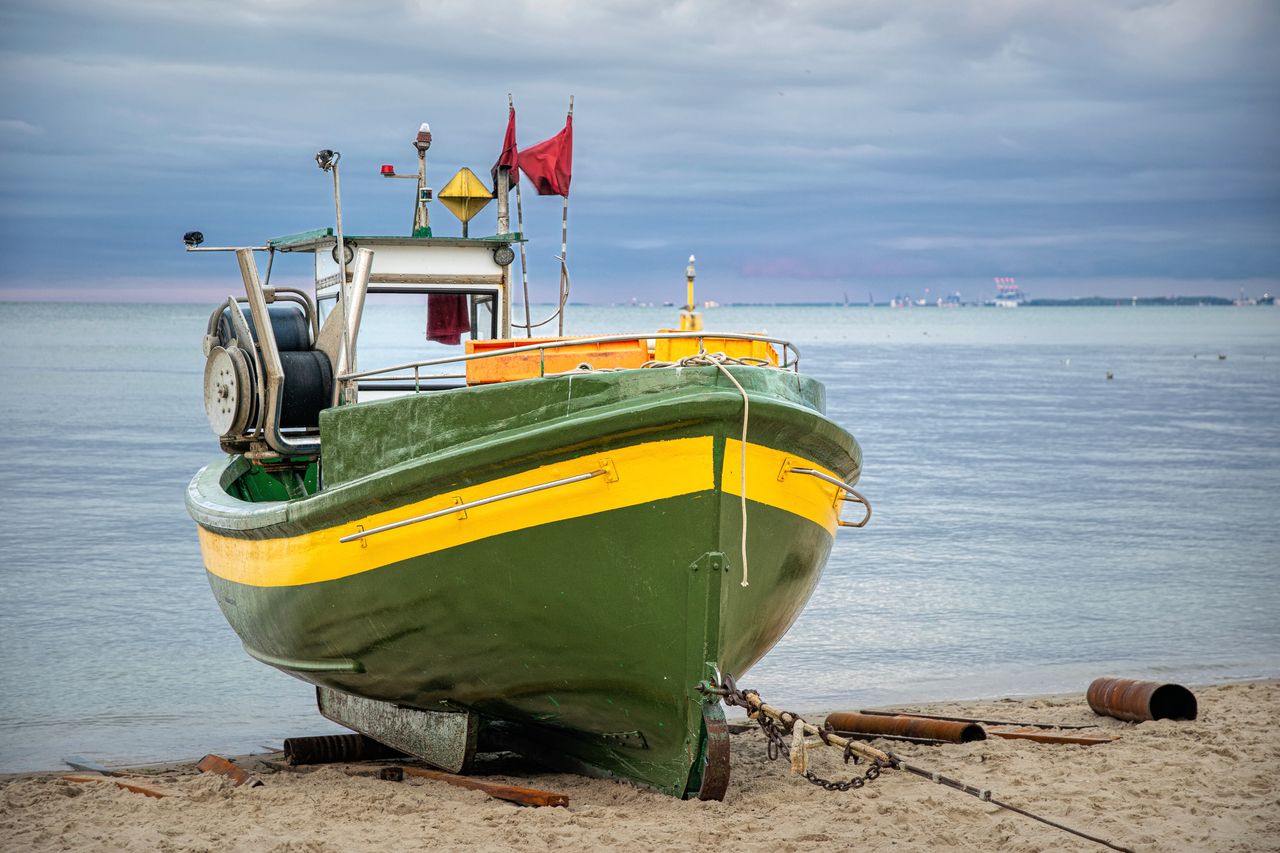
pixel 778 725
pixel 776 733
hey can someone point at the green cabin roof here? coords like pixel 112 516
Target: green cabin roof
pixel 307 240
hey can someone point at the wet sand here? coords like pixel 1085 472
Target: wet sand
pixel 1211 784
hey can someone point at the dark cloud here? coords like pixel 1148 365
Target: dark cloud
pixel 812 146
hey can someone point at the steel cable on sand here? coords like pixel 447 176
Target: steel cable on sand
pixel 777 724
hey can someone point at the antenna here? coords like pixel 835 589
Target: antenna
pixel 421 217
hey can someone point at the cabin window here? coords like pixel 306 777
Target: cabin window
pixel 452 316
pixel 400 327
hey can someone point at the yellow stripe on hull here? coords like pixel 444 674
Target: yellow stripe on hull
pixel 768 482
pixel 646 472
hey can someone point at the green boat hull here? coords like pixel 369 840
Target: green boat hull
pixel 584 619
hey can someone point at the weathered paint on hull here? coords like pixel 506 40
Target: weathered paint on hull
pixel 587 616
pixel 600 625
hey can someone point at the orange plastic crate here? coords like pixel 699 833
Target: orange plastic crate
pixel 535 363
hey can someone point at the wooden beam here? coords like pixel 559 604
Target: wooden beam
pixel 979 720
pixel 145 790
pixel 1041 737
pixel 510 793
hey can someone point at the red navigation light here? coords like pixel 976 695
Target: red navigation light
pixel 388 171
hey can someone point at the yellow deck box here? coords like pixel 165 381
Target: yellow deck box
pixel 674 349
pixel 535 363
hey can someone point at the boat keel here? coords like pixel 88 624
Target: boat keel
pixel 444 739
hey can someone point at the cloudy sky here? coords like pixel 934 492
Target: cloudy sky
pixel 802 150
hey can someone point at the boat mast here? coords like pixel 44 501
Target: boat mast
pixel 564 250
pixel 327 160
pixel 421 219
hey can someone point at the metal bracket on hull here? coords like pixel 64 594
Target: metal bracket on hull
pixel 632 739
pixel 444 739
pixel 715 773
pixel 713 561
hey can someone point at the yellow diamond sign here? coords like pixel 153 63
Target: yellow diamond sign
pixel 465 195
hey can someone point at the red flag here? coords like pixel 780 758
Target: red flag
pixel 510 156
pixel 549 164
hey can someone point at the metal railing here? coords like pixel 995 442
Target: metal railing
pixel 789 360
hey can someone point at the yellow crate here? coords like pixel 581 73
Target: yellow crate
pixel 674 349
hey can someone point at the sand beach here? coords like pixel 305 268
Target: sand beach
pixel 309 423
pixel 1210 784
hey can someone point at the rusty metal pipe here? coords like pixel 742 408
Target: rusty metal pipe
pixel 902 726
pixel 333 749
pixel 1136 701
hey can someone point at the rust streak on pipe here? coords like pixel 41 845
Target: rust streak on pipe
pixel 1137 701
pixel 904 726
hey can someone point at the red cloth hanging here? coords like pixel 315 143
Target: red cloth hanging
pixel 549 164
pixel 510 155
pixel 448 318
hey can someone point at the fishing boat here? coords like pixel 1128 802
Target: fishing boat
pixel 545 545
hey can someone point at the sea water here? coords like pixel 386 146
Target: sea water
pixel 1037 523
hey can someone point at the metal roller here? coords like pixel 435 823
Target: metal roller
pixel 288 323
pixel 1136 701
pixel 332 749
pixel 229 400
pixel 308 385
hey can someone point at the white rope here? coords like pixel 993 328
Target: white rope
pixel 583 368
pixel 564 300
pixel 742 489
pixel 718 360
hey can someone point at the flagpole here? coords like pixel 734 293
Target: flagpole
pixel 564 246
pixel 524 267
pixel 564 250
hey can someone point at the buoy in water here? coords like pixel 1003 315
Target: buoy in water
pixel 1110 375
